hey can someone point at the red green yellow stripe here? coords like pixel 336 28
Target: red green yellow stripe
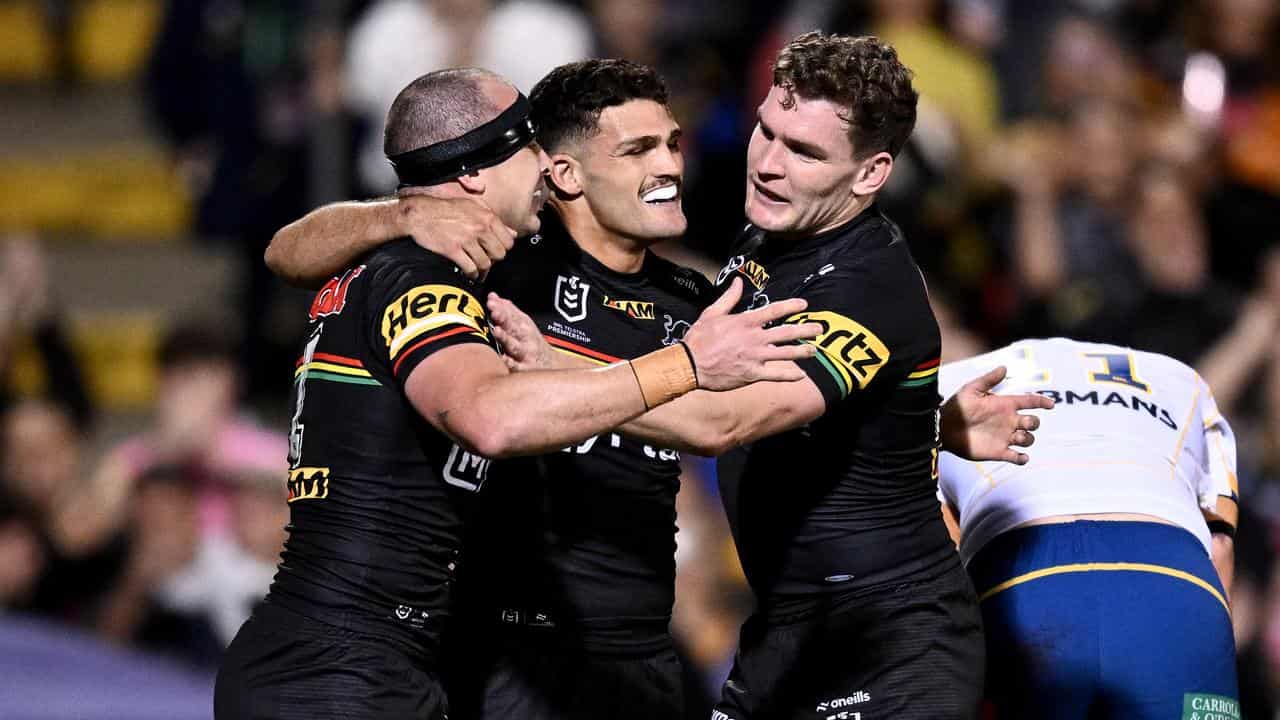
pixel 331 377
pixel 331 368
pixel 841 382
pixel 395 369
pixel 924 374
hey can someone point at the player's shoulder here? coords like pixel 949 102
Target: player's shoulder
pixel 1152 362
pixel 404 260
pixel 684 282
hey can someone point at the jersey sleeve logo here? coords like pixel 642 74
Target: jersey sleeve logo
pixel 431 312
pixel 332 298
pixel 850 352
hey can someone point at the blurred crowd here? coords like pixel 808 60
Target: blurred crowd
pixel 1107 170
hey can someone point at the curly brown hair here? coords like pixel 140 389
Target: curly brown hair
pixel 862 74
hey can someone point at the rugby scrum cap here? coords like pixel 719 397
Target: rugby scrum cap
pixel 481 147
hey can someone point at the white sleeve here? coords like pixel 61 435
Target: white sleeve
pixel 1218 464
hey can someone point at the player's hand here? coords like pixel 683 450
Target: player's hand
pixel 461 229
pixel 523 346
pixel 730 351
pixel 978 424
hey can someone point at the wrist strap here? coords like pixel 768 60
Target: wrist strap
pixel 664 375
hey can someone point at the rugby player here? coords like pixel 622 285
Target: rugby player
pixel 565 611
pixel 711 428
pixel 1095 565
pixel 400 397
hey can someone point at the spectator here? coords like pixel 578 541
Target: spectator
pixel 398 40
pixel 1071 188
pixel 22 556
pixel 231 570
pixel 164 533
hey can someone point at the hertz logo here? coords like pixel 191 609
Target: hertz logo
pixel 638 309
pixel 852 353
pixel 755 272
pixel 426 308
pixel 308 483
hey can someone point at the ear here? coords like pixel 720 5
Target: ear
pixel 473 183
pixel 872 174
pixel 565 175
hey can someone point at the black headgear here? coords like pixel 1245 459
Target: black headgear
pixel 481 147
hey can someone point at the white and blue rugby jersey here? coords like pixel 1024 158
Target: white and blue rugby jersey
pixel 1132 432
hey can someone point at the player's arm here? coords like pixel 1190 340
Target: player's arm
pixel 1222 520
pixel 467 392
pixel 704 423
pixel 1223 552
pixel 976 423
pixel 310 250
pixel 952 519
pixel 1218 489
pixel 982 424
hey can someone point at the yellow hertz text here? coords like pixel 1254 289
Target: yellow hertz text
pixel 308 483
pixel 426 308
pixel 850 352
pixel 635 308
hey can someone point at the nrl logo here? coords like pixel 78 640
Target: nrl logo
pixel 675 329
pixel 571 297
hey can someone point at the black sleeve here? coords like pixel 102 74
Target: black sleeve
pixel 866 326
pixel 421 308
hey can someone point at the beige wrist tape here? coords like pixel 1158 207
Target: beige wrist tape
pixel 665 375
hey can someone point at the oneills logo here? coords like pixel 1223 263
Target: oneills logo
pixel 850 352
pixel 635 308
pixel 427 308
pixel 308 483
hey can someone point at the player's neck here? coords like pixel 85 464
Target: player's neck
pixel 619 254
pixel 855 207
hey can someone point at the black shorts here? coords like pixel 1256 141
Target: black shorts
pixel 902 652
pixel 282 666
pixel 530 674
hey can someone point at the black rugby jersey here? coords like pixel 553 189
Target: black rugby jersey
pixel 592 542
pixel 849 500
pixel 376 494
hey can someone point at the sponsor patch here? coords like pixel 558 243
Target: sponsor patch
pixel 332 298
pixel 755 273
pixel 465 470
pixel 427 310
pixel 1203 706
pixel 850 352
pixel 637 309
pixel 308 483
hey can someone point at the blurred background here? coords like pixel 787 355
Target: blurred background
pixel 1103 169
